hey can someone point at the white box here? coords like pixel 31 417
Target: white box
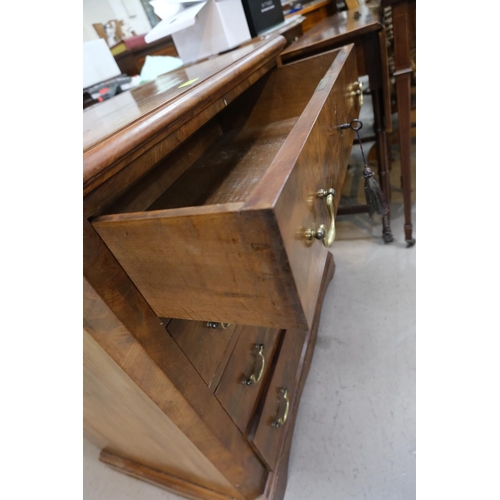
pixel 98 63
pixel 200 29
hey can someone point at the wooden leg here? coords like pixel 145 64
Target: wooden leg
pixel 402 74
pixel 375 70
pixel 383 162
pixel 404 110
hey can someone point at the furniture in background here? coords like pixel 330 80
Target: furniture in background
pixel 114 31
pixel 131 60
pixel 403 44
pixel 129 49
pixel 361 27
pixel 313 12
pixel 209 203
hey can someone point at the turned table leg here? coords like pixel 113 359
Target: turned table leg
pixel 402 74
pixel 374 70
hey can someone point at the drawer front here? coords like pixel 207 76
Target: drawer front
pixel 321 165
pixel 245 374
pixel 243 257
pixel 267 439
pixel 207 345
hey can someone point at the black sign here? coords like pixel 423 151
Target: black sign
pixel 262 14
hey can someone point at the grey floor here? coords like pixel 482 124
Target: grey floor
pixel 355 430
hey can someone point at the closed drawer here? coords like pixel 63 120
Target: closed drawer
pixel 245 375
pixel 207 345
pixel 218 231
pixel 269 433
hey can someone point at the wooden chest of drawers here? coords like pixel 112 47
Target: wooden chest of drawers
pixel 209 208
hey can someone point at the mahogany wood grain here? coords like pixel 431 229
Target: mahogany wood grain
pixel 203 346
pixel 110 142
pixel 126 421
pixel 122 323
pixel 239 399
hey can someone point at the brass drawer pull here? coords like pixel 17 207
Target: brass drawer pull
pixel 282 420
pixel 321 234
pixel 358 92
pixel 213 324
pixel 254 379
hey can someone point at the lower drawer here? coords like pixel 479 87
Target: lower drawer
pixel 268 434
pixel 244 377
pixel 207 345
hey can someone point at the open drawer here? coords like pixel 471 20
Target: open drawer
pixel 222 229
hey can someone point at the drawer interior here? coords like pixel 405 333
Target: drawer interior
pixel 224 160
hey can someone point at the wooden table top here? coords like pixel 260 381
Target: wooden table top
pixel 106 118
pixel 128 125
pixel 308 7
pixel 339 28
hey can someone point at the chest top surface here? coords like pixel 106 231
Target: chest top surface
pixel 106 118
pixel 114 129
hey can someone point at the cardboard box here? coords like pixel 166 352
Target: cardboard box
pixel 262 14
pixel 98 63
pixel 200 29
